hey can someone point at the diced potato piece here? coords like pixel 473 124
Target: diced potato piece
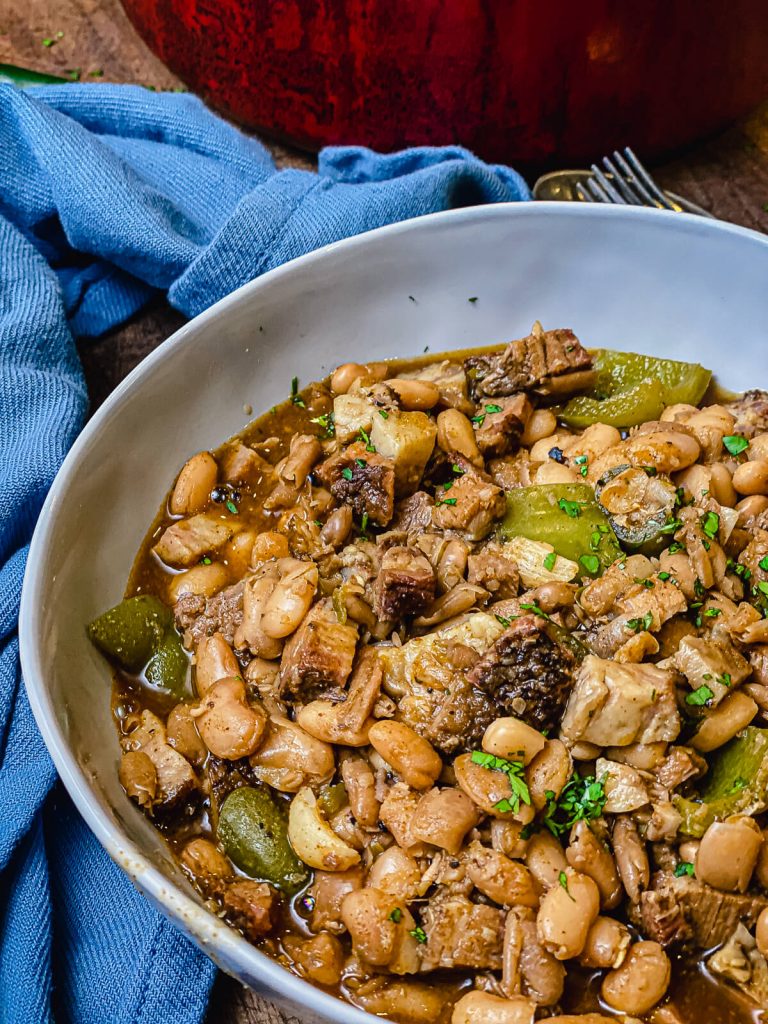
pixel 351 413
pixel 530 556
pixel 408 439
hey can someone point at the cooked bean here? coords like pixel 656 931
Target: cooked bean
pixel 269 545
pixel 751 506
pixel 413 758
pixel 512 739
pixel 696 481
pixel 566 914
pixel 631 857
pixel 194 484
pixel 411 1002
pixel 641 981
pixel 320 959
pixel 548 772
pixel 443 817
pixel 587 1018
pixel 345 376
pixel 290 599
pixel 414 395
pixel 540 450
pixel 229 726
pixel 456 434
pixel 607 944
pixel 484 1008
pixel 457 601
pixel 488 788
pixel 527 961
pixel 396 873
pixel 138 777
pixel 687 850
pixel 553 596
pixel 452 564
pixel 237 552
pixel 586 853
pixel 645 756
pixel 361 790
pixel 376 936
pixel 506 838
pixel 554 473
pixel 751 477
pixel 337 526
pixel 681 412
pixel 214 660
pixel 289 758
pixel 506 882
pixel 728 853
pixel 722 724
pixel 249 633
pixel 666 450
pixel 541 423
pixel 722 487
pixel 761 932
pixel 205 861
pixel 203 580
pixel 181 733
pixel 761 868
pixel 545 859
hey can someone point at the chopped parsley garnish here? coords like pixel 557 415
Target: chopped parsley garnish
pixel 458 470
pixel 472 298
pixel 549 561
pixel 231 506
pixel 674 547
pixel 492 408
pixel 445 501
pixel 671 527
pixel 479 419
pixel 326 422
pixel 515 773
pixel 346 473
pixel 532 607
pixel 725 679
pixel 762 586
pixel 591 563
pixel 735 443
pixel 419 934
pixel 364 524
pixel 700 697
pixel 663 576
pixel 645 582
pixel 583 799
pixel 384 414
pixel 683 868
pixel 582 460
pixel 361 463
pixel 763 564
pixel 396 915
pixel 504 621
pixel 563 880
pixel 650 470
pixel 362 435
pixel 595 540
pixel 710 524
pixel 712 613
pixel 571 508
pixel 640 624
pixel 205 560
pixel 738 784
pixel 448 485
pixel 295 396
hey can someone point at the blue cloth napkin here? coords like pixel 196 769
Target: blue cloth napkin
pixel 108 195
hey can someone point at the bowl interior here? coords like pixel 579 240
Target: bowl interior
pixel 625 278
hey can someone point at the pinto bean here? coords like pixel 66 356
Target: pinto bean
pixel 566 914
pixel 337 526
pixel 548 772
pixel 586 853
pixel 229 726
pixel 751 477
pixel 267 545
pixel 506 838
pixel 541 423
pixel 344 376
pixel 194 484
pixel 506 882
pixel 249 633
pixel 291 597
pixel 376 936
pixel 722 487
pixel 554 473
pixel 667 450
pixel 181 733
pixel 411 1002
pixel 289 758
pixel 728 853
pixel 607 944
pixel 641 981
pixel 457 601
pixel 512 739
pixel 214 660
pixel 545 859
pixel 452 564
pixel 138 777
pixel 203 580
pixel 488 788
pixel 485 1008
pixel 443 817
pixel 750 507
pixel 414 395
pixel 761 932
pixel 455 434
pixel 541 974
pixel 631 857
pixel 205 861
pixel 722 724
pixel 361 790
pixel 397 873
pixel 413 758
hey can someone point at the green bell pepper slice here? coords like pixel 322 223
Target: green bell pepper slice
pixel 631 389
pixel 567 517
pixel 737 783
pixel 139 634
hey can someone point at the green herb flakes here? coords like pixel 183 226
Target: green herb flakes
pixel 325 421
pixel 295 396
pixel 384 414
pixel 549 561
pixel 763 564
pixel 346 473
pixel 363 436
pixel 640 624
pixel 232 507
pixel 515 773
pixel 710 524
pixel 591 563
pixel 699 697
pixel 396 915
pixel 684 868
pixel 735 443
pixel 419 934
pixel 571 508
pixel 492 408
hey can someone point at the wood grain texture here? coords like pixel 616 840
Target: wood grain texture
pixel 728 176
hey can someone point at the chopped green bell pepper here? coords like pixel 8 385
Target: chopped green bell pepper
pixel 139 634
pixel 737 783
pixel 631 389
pixel 565 516
pixel 638 507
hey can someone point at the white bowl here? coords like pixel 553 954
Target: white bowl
pixel 621 277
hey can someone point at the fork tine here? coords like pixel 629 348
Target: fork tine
pixel 607 187
pixel 644 180
pixel 622 184
pixel 599 194
pixel 582 193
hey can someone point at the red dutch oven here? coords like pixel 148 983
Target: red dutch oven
pixel 531 81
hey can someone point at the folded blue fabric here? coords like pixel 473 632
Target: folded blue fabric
pixel 109 194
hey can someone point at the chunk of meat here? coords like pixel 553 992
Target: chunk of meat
pixel 407 438
pixel 494 569
pixel 413 515
pixel 527 363
pixel 397 815
pixel 405 584
pixel 200 616
pixel 751 412
pixel 177 788
pixel 327 893
pixel 680 765
pixel 499 424
pixel 461 934
pixel 741 962
pixel 676 910
pixel 639 606
pixel 362 479
pixel 461 718
pixel 513 471
pixel 317 659
pixel 527 673
pixel 242 465
pixel 184 543
pixel 614 705
pixel 712 663
pixel 253 907
pixel 471 506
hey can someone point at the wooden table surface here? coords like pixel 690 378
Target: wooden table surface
pixel 728 175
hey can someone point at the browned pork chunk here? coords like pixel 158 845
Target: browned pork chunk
pixel 200 616
pixel 461 934
pixel 751 412
pixel 527 673
pixel 494 569
pixel 176 787
pixel 405 584
pixel 317 660
pixel 362 479
pixel 470 507
pixel 184 543
pixel 253 907
pixel 528 363
pixel 499 424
